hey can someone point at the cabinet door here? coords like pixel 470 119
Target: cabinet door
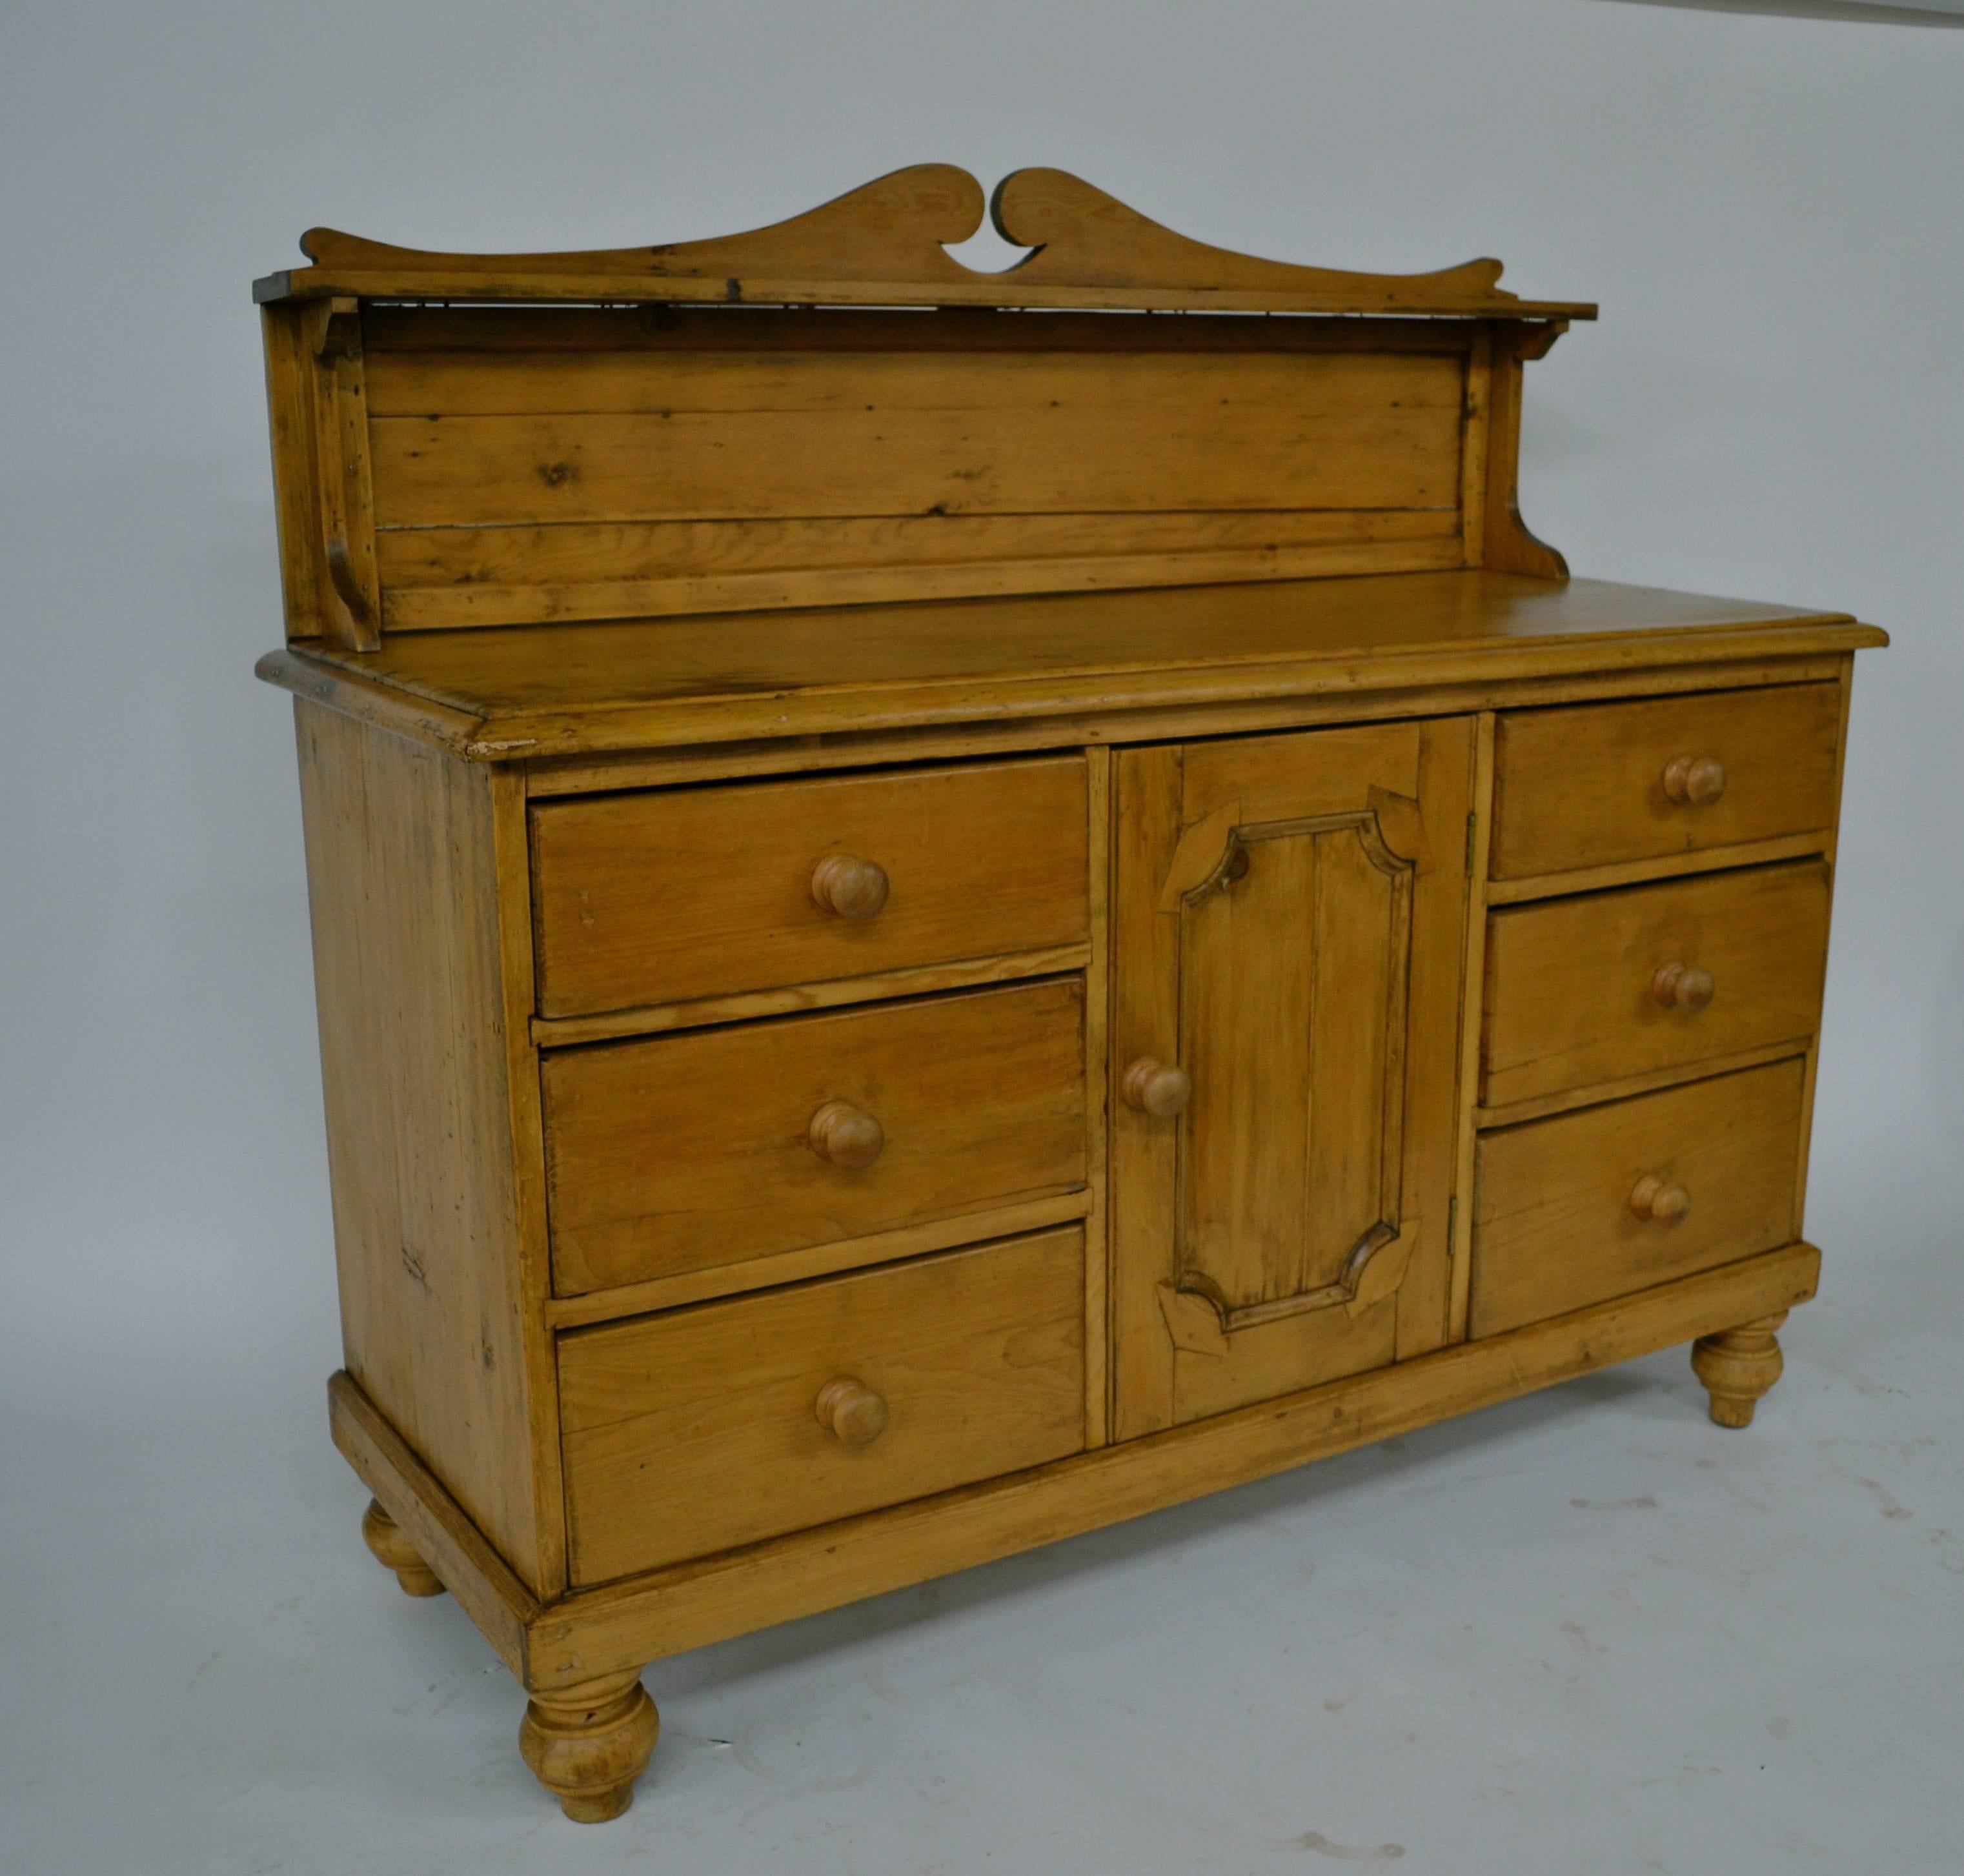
pixel 1289 938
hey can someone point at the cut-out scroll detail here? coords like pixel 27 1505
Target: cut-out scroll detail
pixel 886 244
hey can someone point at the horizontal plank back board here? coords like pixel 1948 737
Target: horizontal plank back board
pixel 597 463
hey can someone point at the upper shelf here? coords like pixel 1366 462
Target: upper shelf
pixel 885 244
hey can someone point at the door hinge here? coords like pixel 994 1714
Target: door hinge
pixel 1472 827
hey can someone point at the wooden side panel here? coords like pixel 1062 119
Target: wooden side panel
pixel 1555 1230
pixel 290 411
pixel 1508 546
pixel 685 1152
pixel 691 1432
pixel 402 871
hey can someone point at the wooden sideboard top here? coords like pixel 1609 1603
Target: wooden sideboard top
pixel 524 691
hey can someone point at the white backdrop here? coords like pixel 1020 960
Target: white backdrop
pixel 1772 407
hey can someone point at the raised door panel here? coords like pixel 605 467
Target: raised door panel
pixel 1290 924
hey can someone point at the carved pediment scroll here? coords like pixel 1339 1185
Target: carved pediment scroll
pixel 886 244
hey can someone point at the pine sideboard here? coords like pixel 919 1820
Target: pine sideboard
pixel 951 906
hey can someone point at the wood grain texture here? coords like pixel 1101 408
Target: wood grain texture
pixel 1094 664
pixel 1555 1228
pixel 686 1434
pixel 440 1530
pixel 795 999
pixel 868 435
pixel 1097 1048
pixel 689 1152
pixel 403 876
pixel 1587 787
pixel 818 1260
pixel 885 243
pixel 1737 1366
pixel 1570 1000
pixel 658 897
pixel 688 1605
pixel 1293 948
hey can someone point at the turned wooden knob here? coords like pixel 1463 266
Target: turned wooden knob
pixel 1682 986
pixel 850 1411
pixel 849 887
pixel 1157 1088
pixel 848 1137
pixel 1656 1201
pixel 1694 781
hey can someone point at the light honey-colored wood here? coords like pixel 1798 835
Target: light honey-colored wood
pixel 1097 1036
pixel 1288 1114
pixel 403 872
pixel 1580 990
pixel 1737 1366
pixel 587 1744
pixel 646 899
pixel 1101 660
pixel 1596 878
pixel 625 1626
pixel 885 243
pixel 1612 782
pixel 393 1551
pixel 1574 1210
pixel 688 1433
pixel 777 1267
pixel 692 1605
pixel 938 927
pixel 1479 850
pixel 692 1152
pixel 794 999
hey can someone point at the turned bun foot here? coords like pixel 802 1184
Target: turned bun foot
pixel 589 1744
pixel 1737 1366
pixel 394 1551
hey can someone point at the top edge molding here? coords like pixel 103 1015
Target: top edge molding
pixel 885 244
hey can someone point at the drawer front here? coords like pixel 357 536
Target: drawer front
pixel 666 895
pixel 1581 991
pixel 688 1433
pixel 1592 1205
pixel 1606 782
pixel 680 1153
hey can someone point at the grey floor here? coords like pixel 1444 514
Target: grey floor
pixel 1584 1632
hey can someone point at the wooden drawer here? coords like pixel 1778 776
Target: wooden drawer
pixel 669 895
pixel 1559 1219
pixel 1595 784
pixel 690 1433
pixel 682 1151
pixel 1573 995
